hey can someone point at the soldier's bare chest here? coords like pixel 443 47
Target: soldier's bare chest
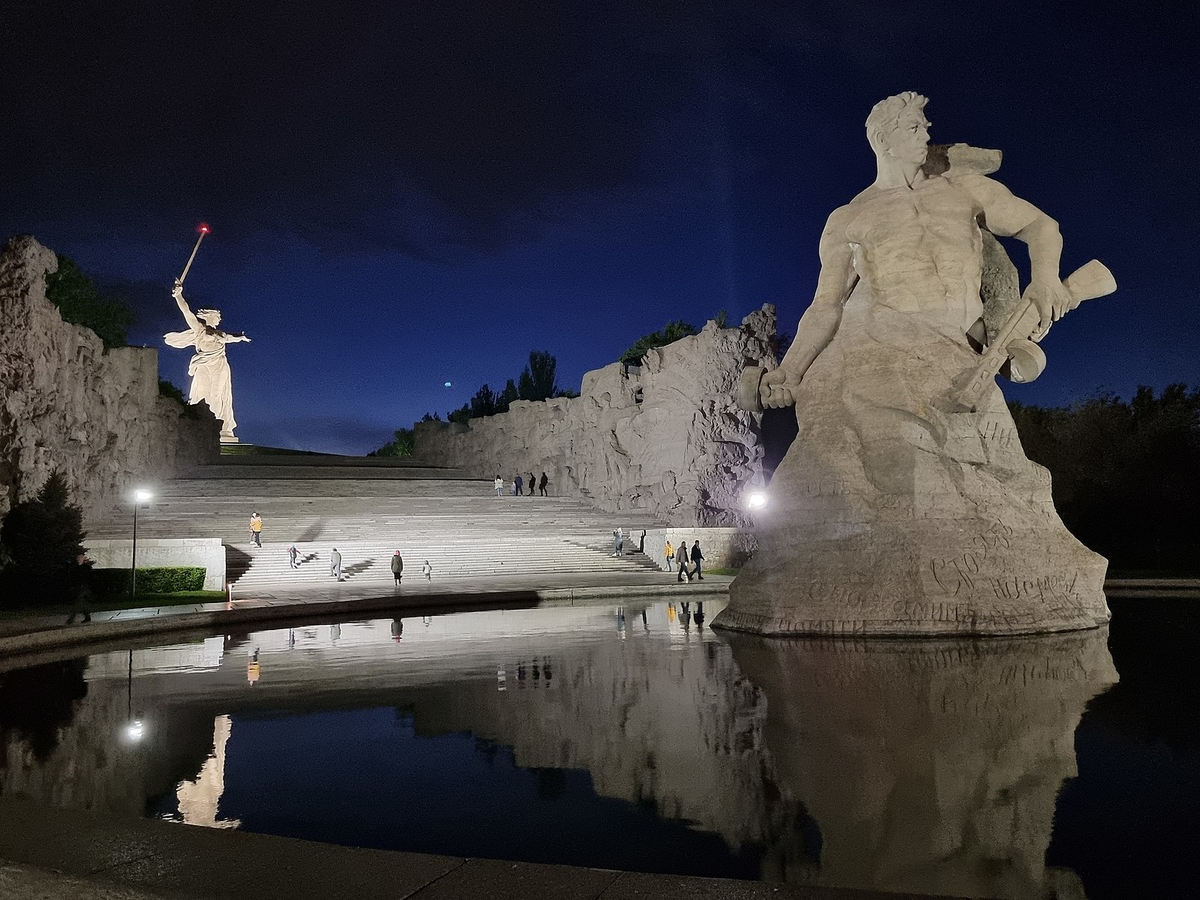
pixel 935 207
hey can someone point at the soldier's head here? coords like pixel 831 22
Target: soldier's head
pixel 897 128
pixel 210 317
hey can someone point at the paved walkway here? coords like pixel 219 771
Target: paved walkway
pixel 55 853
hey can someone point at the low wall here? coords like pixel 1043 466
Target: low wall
pixel 723 548
pixel 155 552
pixel 67 404
pixel 665 439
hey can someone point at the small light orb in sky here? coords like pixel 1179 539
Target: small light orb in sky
pixel 447 384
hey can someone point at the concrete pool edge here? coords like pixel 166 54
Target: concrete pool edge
pixel 87 855
pixel 16 639
pixel 141 623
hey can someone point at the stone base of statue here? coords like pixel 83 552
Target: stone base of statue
pixel 894 513
pixel 228 438
pixel 894 577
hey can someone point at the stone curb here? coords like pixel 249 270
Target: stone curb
pixel 95 632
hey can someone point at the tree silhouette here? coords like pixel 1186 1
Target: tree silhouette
pixel 41 539
pixel 80 303
pixel 537 378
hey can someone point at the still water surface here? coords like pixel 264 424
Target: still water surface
pixel 637 738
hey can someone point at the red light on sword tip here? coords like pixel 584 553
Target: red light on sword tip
pixel 203 228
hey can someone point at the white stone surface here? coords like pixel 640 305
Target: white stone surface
pixel 208 553
pixel 664 440
pixel 67 404
pixel 212 382
pixel 723 548
pixel 894 512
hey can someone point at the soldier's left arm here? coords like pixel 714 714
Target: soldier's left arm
pixel 1007 215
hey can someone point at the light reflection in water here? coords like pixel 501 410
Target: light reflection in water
pixel 929 767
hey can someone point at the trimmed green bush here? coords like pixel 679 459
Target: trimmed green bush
pixel 153 580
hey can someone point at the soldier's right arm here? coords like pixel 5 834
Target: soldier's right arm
pixel 820 321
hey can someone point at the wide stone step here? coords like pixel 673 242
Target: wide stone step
pixel 368 509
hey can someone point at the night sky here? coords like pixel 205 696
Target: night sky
pixel 408 193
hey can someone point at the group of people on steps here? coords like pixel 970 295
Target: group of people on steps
pixel 519 484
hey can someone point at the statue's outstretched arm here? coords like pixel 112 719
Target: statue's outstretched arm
pixel 192 321
pixel 1007 215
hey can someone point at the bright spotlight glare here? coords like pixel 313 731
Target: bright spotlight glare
pixel 756 500
pixel 135 730
pixel 141 495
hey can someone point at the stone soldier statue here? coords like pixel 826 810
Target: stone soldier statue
pixel 906 504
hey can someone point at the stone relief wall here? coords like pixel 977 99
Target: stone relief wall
pixel 665 439
pixel 67 404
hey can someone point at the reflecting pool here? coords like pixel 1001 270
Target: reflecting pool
pixel 636 738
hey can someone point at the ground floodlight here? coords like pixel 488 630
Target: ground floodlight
pixel 756 500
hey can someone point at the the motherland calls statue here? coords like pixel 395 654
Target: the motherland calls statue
pixel 906 504
pixel 209 369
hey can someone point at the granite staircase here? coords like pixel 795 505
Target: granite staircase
pixel 368 510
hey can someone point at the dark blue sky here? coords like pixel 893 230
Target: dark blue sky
pixel 404 194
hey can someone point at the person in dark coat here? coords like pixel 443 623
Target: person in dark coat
pixel 681 560
pixel 696 557
pixel 82 600
pixel 532 483
pixel 542 484
pixel 397 566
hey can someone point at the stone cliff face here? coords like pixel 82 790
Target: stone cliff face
pixel 665 439
pixel 67 404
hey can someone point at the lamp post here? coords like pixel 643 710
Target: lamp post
pixel 140 496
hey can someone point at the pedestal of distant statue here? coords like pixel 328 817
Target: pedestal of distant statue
pixel 212 381
pixel 906 504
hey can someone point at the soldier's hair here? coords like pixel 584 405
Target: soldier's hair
pixel 886 113
pixel 205 314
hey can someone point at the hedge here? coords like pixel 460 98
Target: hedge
pixel 155 580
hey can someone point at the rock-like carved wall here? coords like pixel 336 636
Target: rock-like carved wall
pixel 67 404
pixel 665 439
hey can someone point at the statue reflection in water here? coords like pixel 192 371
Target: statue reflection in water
pixel 928 766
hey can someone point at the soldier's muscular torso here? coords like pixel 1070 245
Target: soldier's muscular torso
pixel 919 249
